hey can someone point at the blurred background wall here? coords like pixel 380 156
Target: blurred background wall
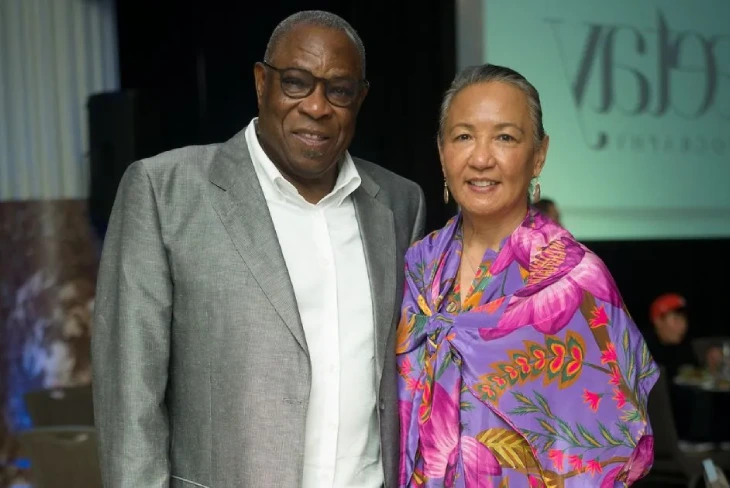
pixel 53 56
pixel 88 86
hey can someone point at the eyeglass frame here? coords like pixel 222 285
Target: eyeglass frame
pixel 362 84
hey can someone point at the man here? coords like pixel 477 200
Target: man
pixel 249 291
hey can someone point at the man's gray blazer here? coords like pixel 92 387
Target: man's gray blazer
pixel 201 373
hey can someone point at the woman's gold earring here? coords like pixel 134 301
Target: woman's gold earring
pixel 446 192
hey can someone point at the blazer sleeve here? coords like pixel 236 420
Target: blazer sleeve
pixel 419 225
pixel 131 340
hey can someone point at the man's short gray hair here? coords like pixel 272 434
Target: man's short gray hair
pixel 491 73
pixel 316 18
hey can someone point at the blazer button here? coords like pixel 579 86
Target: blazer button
pixel 382 405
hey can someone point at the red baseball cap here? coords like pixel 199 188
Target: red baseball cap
pixel 669 302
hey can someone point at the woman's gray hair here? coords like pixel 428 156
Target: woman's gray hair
pixel 492 73
pixel 318 18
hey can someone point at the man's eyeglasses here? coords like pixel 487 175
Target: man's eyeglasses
pixel 300 83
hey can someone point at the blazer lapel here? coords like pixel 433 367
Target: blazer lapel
pixel 377 231
pixel 241 206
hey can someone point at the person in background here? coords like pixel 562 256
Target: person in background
pixel 672 349
pixel 549 209
pixel 668 341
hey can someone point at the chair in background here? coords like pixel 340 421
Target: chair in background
pixel 62 457
pixel 671 465
pixel 60 406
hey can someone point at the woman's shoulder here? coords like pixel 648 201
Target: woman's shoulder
pixel 434 242
pixel 543 244
pixel 600 265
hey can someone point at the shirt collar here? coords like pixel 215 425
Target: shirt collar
pixel 276 187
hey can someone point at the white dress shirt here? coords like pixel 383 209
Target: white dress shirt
pixel 324 255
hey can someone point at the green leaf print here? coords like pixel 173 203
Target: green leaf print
pixel 626 433
pixel 592 441
pixel 525 410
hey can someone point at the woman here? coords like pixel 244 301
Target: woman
pixel 519 365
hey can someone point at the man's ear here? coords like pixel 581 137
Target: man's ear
pixel 259 75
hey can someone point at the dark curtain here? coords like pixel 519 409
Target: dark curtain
pixel 193 64
pixel 696 269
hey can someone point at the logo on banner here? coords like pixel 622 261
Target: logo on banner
pixel 629 71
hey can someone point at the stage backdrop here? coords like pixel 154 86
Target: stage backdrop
pixel 636 97
pixel 53 55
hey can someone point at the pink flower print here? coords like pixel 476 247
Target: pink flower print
pixel 440 433
pixel 576 462
pixel 412 384
pixel 620 397
pixel 599 317
pixel 405 367
pixel 641 459
pixel 560 271
pixel 636 467
pixel 479 463
pixel 609 355
pixel 535 482
pixel 615 376
pixel 592 399
pixel 556 456
pixel 594 467
pixel 404 410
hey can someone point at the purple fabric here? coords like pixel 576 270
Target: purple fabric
pixel 542 380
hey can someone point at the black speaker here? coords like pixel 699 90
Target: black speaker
pixel 123 127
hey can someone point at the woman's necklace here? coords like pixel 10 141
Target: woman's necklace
pixel 468 258
pixel 471 263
